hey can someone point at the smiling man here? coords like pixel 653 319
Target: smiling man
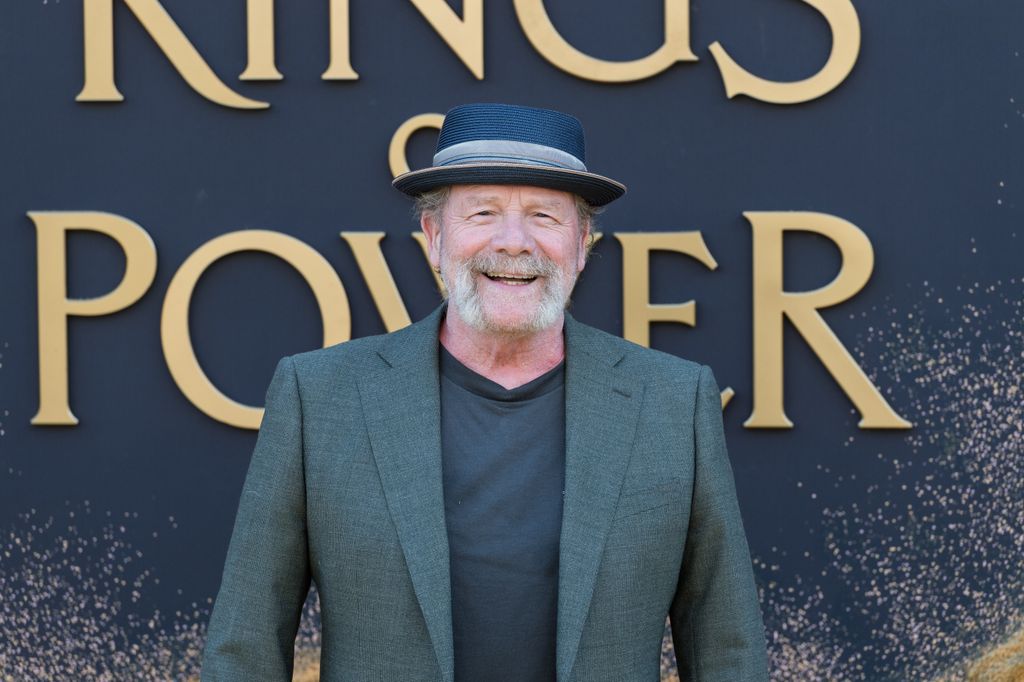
pixel 509 257
pixel 497 492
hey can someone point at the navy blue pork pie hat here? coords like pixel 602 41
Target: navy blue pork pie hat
pixel 503 144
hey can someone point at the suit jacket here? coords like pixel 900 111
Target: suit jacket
pixel 344 488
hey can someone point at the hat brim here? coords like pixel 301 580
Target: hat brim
pixel 595 189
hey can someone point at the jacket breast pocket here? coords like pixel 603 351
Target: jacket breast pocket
pixel 648 499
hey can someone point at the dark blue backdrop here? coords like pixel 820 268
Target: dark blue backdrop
pixel 882 555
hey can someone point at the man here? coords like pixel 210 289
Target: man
pixel 497 492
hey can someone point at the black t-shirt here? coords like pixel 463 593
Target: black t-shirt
pixel 503 454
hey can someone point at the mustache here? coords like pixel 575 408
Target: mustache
pixel 527 265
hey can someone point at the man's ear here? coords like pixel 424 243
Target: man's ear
pixel 432 231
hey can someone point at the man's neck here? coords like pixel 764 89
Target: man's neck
pixel 509 361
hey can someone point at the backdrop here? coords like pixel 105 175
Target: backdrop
pixel 869 154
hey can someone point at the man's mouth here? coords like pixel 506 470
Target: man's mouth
pixel 515 280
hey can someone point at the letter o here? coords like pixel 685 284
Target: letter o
pixel 396 150
pixel 174 332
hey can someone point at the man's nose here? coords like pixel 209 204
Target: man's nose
pixel 513 235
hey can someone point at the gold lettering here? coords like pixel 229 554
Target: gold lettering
pixel 772 304
pixel 396 149
pixel 465 36
pixel 99 54
pixel 260 25
pixel 549 43
pixel 340 68
pixel 370 259
pixel 98 24
pixel 727 395
pixel 845 26
pixel 637 310
pixel 55 306
pixel 174 331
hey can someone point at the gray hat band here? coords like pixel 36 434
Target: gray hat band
pixel 506 151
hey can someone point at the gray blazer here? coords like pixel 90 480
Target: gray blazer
pixel 344 488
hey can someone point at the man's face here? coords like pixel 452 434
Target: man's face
pixel 509 255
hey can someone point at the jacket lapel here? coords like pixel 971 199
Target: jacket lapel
pixel 602 405
pixel 402 407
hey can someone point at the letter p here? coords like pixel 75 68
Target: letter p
pixel 55 307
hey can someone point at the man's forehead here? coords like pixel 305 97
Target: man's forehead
pixel 502 193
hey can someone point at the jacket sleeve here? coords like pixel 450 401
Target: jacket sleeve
pixel 716 620
pixel 266 575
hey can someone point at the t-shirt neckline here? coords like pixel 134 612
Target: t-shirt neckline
pixel 465 378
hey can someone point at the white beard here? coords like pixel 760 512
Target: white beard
pixel 460 279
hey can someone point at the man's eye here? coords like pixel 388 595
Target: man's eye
pixel 485 212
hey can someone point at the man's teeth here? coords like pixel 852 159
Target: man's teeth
pixel 510 278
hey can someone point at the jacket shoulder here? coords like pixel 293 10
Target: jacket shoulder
pixel 415 343
pixel 646 363
pixel 326 372
pixel 361 352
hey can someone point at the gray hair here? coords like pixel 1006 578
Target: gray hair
pixel 432 203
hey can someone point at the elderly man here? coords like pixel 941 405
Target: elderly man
pixel 497 492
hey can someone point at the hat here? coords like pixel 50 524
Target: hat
pixel 503 144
